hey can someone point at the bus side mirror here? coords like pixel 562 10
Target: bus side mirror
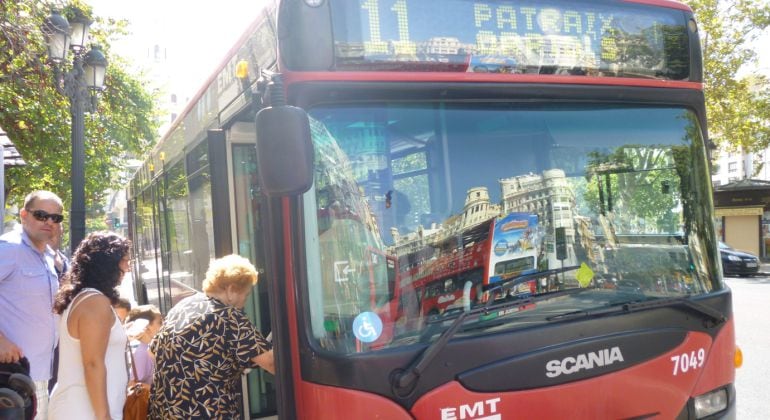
pixel 284 151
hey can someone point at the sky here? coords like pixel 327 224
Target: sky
pixel 194 37
pixel 763 51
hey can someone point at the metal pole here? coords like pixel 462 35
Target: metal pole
pixel 78 203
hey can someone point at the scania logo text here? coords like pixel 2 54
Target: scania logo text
pixel 584 361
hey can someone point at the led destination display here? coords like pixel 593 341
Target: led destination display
pixel 556 37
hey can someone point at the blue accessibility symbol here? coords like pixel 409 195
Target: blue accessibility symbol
pixel 367 327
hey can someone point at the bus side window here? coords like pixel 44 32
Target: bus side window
pixel 449 286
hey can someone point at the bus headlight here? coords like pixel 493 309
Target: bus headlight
pixel 710 403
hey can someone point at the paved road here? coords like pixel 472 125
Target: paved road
pixel 751 305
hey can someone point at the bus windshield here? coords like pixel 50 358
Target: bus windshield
pixel 424 210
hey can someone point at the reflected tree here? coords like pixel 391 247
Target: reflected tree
pixel 638 182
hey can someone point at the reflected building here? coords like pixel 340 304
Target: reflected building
pixel 441 45
pixel 551 198
pixel 548 195
pixel 477 210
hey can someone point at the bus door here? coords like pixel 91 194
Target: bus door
pixel 147 272
pixel 162 260
pixel 248 213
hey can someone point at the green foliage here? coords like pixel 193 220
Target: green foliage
pixel 639 185
pixel 37 117
pixel 738 108
pixel 94 224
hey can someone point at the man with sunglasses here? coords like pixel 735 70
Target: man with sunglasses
pixel 28 284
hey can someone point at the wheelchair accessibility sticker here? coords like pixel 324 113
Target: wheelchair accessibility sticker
pixel 367 327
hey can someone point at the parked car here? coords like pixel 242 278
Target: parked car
pixel 736 262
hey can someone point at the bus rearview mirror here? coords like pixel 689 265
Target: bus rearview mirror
pixel 284 151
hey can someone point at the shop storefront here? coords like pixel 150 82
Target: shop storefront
pixel 743 215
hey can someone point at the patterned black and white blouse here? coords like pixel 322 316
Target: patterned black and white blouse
pixel 200 352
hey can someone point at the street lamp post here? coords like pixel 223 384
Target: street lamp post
pixel 80 84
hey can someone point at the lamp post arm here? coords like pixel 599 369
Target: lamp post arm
pixel 58 79
pixel 73 84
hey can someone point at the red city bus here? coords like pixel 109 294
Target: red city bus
pixel 441 272
pixel 343 144
pixel 444 275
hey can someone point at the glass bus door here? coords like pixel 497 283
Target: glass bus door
pixel 250 244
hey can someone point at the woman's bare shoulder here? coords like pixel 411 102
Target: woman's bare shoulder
pixel 94 304
pixel 93 312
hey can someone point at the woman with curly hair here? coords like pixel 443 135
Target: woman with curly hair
pixel 92 343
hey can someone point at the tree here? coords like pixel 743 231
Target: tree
pixel 638 184
pixel 738 108
pixel 36 117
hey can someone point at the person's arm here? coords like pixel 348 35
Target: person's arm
pixel 93 320
pixel 9 351
pixel 266 361
pixel 144 365
pixel 249 341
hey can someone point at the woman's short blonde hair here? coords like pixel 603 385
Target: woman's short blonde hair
pixel 231 270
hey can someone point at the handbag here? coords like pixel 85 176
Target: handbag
pixel 138 398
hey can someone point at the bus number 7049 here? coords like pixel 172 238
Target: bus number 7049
pixel 685 362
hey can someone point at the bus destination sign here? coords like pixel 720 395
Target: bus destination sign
pixel 556 37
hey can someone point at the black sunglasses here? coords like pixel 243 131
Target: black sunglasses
pixel 43 216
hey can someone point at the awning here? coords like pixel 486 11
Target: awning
pixel 11 156
pixel 738 211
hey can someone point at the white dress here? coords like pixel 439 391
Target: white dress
pixel 69 399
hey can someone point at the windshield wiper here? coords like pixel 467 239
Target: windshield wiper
pixel 712 316
pixel 716 317
pixel 404 381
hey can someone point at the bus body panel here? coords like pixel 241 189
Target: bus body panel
pixel 720 369
pixel 322 402
pixel 518 360
pixel 291 77
pixel 663 3
pixel 647 389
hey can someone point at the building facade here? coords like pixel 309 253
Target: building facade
pixel 743 215
pixel 742 199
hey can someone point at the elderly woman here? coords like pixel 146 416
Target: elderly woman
pixel 92 375
pixel 204 345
